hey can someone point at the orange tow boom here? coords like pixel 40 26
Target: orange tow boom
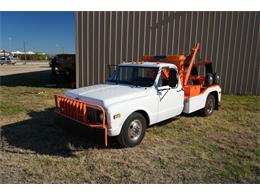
pixel 184 65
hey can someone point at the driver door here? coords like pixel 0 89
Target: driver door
pixel 170 94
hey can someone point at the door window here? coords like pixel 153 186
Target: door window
pixel 173 78
pixel 164 77
pixel 168 76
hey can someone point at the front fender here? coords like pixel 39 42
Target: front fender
pixel 125 109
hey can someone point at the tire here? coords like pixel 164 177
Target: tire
pixel 133 130
pixel 53 70
pixel 209 79
pixel 216 79
pixel 209 106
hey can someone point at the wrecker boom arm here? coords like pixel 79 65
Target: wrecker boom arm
pixel 190 59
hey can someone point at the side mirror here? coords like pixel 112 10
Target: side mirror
pixel 113 73
pixel 112 76
pixel 173 80
pixel 111 69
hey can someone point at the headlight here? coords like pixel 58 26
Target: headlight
pixel 95 116
pixel 101 117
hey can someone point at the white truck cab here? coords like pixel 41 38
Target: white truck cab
pixel 140 94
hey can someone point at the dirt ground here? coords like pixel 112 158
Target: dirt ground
pixel 20 67
pixel 36 146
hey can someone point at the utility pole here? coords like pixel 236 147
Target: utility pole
pixel 24 50
pixel 62 49
pixel 10 44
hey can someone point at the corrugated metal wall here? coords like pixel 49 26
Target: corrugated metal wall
pixel 229 39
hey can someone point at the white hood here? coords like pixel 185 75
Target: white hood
pixel 106 94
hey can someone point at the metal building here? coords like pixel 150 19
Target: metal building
pixel 229 39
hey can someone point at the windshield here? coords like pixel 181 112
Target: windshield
pixel 132 75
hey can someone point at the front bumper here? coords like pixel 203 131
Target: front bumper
pixel 77 110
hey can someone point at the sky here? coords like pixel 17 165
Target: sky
pixel 49 32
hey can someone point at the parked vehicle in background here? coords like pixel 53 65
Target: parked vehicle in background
pixel 63 64
pixel 7 60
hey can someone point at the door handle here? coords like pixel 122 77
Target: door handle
pixel 180 90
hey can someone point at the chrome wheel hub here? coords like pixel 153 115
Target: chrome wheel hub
pixel 135 130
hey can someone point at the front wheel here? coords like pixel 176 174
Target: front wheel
pixel 209 106
pixel 133 130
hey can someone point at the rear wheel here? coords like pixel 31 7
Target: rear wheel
pixel 209 106
pixel 133 130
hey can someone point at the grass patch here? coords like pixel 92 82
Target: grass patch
pixel 9 108
pixel 222 148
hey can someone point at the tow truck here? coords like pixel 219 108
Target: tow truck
pixel 140 94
